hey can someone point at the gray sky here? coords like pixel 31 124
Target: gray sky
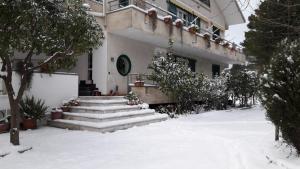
pixel 236 33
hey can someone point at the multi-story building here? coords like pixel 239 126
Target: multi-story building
pixel 134 31
pixel 133 35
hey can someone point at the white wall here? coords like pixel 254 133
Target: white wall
pixel 100 71
pixel 141 55
pixel 52 88
pixel 81 67
pixel 4 104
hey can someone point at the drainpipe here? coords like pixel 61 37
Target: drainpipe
pixel 104 13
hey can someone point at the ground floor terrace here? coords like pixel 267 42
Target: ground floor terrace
pixel 229 139
pixel 114 67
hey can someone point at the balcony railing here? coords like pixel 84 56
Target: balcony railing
pixel 115 5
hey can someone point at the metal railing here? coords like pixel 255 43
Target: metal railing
pixel 145 5
pixel 132 78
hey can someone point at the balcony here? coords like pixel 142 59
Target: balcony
pixel 130 19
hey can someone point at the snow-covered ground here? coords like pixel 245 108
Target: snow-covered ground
pixel 232 139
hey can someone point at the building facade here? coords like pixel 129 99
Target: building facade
pixel 133 35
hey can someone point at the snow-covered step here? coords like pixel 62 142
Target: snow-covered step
pixel 103 102
pixel 107 126
pixel 101 97
pixel 104 109
pixel 92 117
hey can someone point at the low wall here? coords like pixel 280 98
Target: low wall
pixel 151 94
pixel 52 88
pixel 4 105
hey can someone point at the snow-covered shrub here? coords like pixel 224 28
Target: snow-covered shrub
pixel 167 109
pixel 280 91
pixel 176 79
pixel 216 95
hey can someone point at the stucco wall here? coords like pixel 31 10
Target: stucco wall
pixel 52 88
pixel 141 55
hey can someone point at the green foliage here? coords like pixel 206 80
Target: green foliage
pixel 216 93
pixel 280 91
pixel 272 22
pixel 167 109
pixel 31 107
pixel 42 27
pixel 242 83
pixel 176 79
pixel 133 98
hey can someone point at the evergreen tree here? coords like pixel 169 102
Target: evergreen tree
pixel 272 22
pixel 242 83
pixel 280 92
pixel 52 31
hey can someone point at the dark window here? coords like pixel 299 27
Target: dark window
pixel 215 70
pixel 191 63
pixel 206 2
pixel 216 32
pixel 187 17
pixel 123 65
pixel 123 3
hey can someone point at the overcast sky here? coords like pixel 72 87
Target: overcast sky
pixel 236 33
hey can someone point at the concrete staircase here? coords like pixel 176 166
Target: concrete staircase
pixel 106 114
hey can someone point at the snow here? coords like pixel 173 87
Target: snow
pixel 230 139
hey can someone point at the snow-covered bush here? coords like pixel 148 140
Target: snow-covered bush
pixel 133 98
pixel 167 109
pixel 280 91
pixel 216 93
pixel 176 79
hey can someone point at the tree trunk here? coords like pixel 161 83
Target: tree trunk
pixel 276 133
pixel 15 124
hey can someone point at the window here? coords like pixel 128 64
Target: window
pixel 183 16
pixel 216 32
pixel 215 70
pixel 191 62
pixel 206 2
pixel 187 17
pixel 124 65
pixel 123 3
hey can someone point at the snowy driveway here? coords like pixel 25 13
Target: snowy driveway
pixel 233 139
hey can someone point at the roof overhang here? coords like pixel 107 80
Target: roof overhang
pixel 231 11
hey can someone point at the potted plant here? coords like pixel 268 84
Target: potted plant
pixel 74 102
pixel 56 113
pixel 32 110
pixel 139 82
pixel 218 40
pixel 132 98
pixel 168 19
pixel 66 107
pixel 193 29
pixel 206 36
pixel 226 45
pixel 4 123
pixel 178 23
pixel 152 13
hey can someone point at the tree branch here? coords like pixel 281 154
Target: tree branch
pixel 53 57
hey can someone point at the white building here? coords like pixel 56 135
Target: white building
pixel 132 37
